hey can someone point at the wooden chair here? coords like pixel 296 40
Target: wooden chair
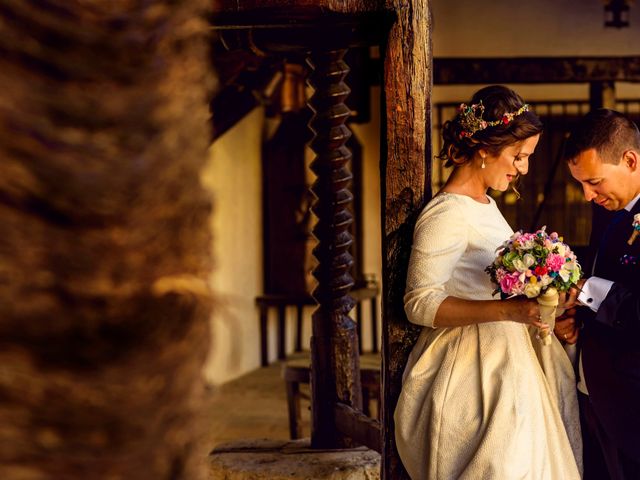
pixel 365 290
pixel 297 371
pixel 281 303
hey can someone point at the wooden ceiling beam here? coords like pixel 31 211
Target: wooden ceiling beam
pixel 296 10
pixel 272 37
pixel 449 71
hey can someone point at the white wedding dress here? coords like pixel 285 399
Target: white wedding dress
pixel 484 401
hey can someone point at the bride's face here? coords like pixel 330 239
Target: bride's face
pixel 502 169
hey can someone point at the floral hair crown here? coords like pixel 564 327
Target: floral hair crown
pixel 470 118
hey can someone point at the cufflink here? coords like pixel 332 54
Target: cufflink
pixel 589 300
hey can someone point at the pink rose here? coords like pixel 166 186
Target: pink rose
pixel 508 282
pixel 526 237
pixel 555 262
pixel 518 287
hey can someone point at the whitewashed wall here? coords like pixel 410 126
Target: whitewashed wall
pixel 233 174
pixel 529 28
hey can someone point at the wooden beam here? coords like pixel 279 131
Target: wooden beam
pixel 362 429
pixel 466 71
pixel 405 183
pixel 270 35
pixel 535 70
pixel 292 10
pixel 288 26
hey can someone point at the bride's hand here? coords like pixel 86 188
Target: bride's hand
pixel 562 300
pixel 571 300
pixel 566 329
pixel 522 310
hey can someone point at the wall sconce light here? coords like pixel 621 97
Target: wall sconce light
pixel 616 13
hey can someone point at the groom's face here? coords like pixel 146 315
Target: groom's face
pixel 607 184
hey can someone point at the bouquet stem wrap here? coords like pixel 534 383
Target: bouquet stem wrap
pixel 548 302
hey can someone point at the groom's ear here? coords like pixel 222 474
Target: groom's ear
pixel 632 159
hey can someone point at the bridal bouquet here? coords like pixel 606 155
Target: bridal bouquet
pixel 538 265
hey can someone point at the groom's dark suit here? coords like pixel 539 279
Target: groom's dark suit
pixel 610 345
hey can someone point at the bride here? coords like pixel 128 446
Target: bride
pixel 480 399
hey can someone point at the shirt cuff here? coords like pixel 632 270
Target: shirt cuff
pixel 594 291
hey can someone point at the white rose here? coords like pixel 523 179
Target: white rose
pixel 565 271
pixel 519 265
pixel 532 290
pixel 528 259
pixel 545 280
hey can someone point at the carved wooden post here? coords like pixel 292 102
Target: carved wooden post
pixel 335 375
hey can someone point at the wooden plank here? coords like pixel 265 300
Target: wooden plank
pixel 364 430
pixel 292 18
pixel 264 343
pixel 282 326
pixel 466 71
pixel 358 308
pixel 267 34
pixel 405 178
pixel 374 324
pixel 298 7
pixel 293 408
pixel 536 70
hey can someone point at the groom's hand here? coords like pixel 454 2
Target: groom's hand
pixel 570 300
pixel 566 329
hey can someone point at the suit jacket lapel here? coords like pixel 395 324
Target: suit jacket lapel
pixel 609 248
pixel 614 246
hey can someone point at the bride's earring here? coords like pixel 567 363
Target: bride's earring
pixel 482 166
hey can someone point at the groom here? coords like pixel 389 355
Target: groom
pixel 603 154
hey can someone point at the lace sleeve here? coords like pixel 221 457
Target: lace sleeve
pixel 439 240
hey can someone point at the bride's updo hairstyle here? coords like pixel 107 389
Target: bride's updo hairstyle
pixel 496 118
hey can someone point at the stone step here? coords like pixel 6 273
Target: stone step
pixel 291 460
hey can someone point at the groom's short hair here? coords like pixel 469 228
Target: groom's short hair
pixel 609 132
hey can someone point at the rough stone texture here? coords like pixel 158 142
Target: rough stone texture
pixel 291 460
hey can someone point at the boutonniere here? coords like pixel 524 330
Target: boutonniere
pixel 636 229
pixel 628 260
